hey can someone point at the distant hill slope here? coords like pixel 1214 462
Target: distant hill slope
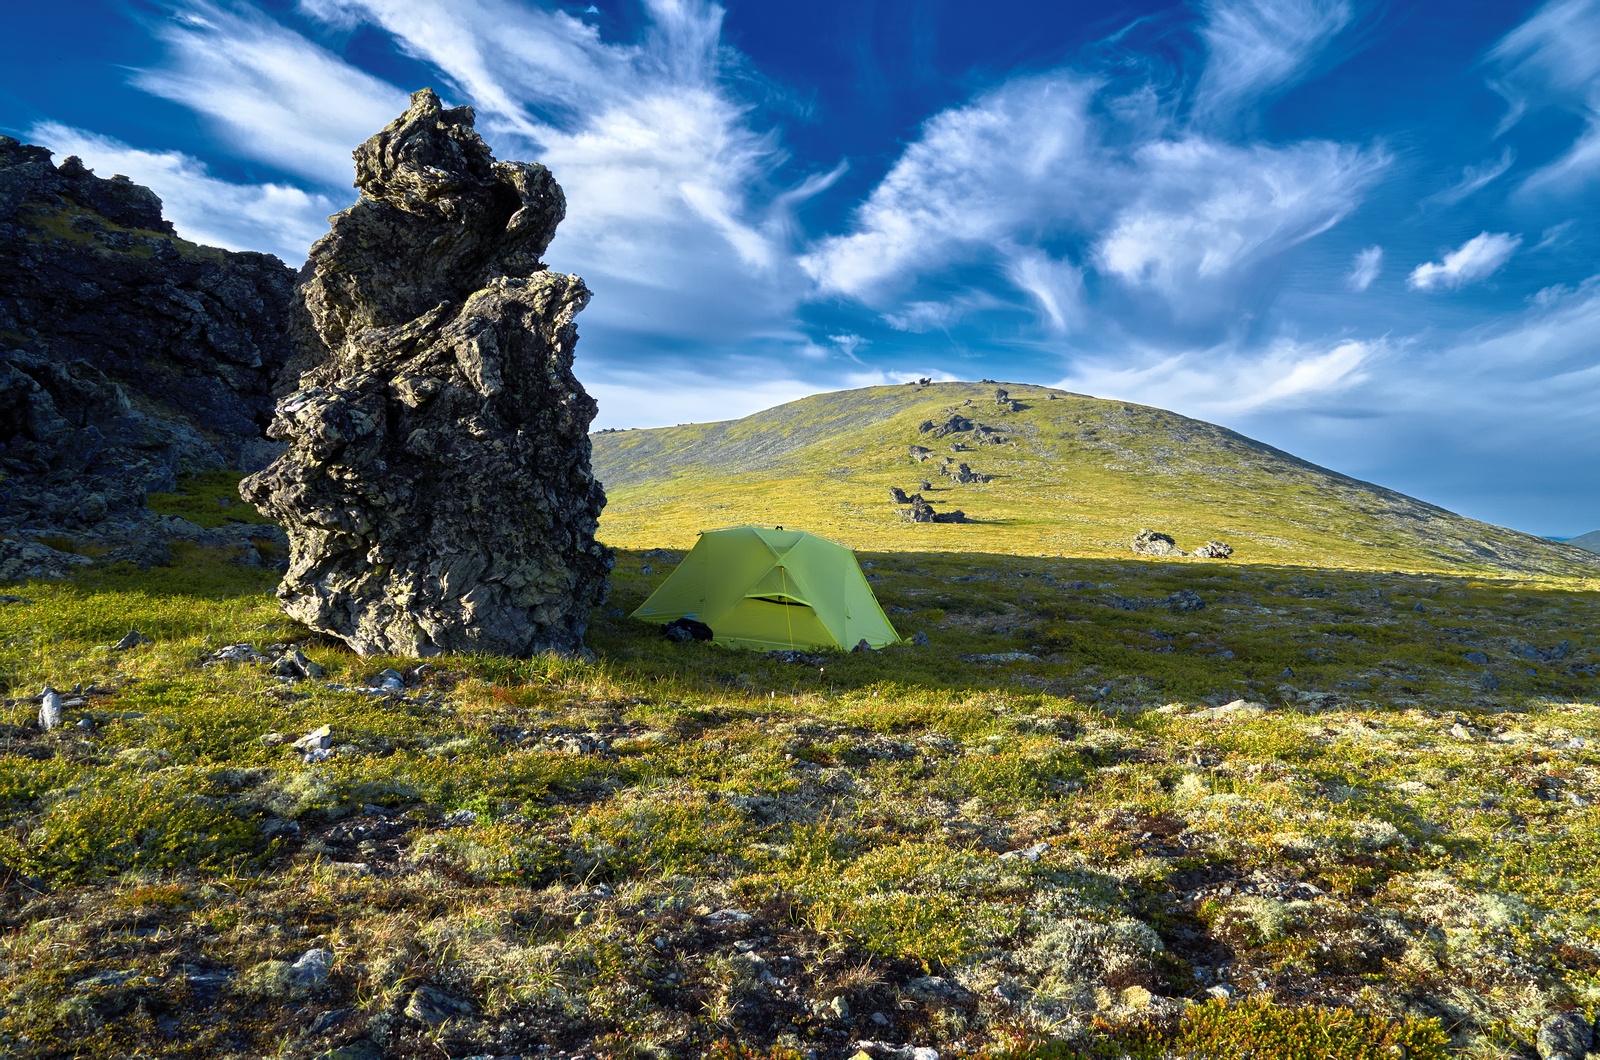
pixel 1077 476
pixel 1590 541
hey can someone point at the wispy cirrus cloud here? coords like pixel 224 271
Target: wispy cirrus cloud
pixel 1364 269
pixel 1203 211
pixel 1473 179
pixel 1035 183
pixel 1258 47
pixel 278 218
pixel 1477 259
pixel 272 95
pixel 1553 59
pixel 1019 157
pixel 1228 381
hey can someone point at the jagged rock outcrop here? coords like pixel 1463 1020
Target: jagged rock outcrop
pixel 128 356
pixel 1214 550
pixel 436 489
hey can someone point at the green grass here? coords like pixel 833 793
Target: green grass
pixel 1385 854
pixel 209 499
pixel 1078 477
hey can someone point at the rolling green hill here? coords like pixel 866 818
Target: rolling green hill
pixel 1076 476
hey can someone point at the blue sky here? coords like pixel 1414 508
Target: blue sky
pixel 1363 232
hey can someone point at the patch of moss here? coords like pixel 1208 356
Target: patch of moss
pixel 209 499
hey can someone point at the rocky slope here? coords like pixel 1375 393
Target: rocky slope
pixel 1589 541
pixel 128 356
pixel 1046 472
pixel 436 489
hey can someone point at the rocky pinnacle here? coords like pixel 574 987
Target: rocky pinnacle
pixel 436 489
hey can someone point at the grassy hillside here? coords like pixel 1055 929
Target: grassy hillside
pixel 1079 476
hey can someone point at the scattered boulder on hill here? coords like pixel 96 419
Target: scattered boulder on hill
pixel 436 489
pixel 965 475
pixel 898 496
pixel 1214 550
pixel 987 435
pixel 956 424
pixel 919 453
pixel 920 511
pixel 128 356
pixel 1155 543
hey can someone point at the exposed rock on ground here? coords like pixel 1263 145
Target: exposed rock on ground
pixel 920 511
pixel 1214 550
pixel 128 356
pixel 436 490
pixel 1155 543
pixel 965 475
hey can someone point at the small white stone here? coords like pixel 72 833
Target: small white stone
pixel 50 709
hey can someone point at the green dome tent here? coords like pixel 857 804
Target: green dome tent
pixel 772 589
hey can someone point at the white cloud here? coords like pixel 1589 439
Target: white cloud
pixel 1010 160
pixel 1476 259
pixel 1204 210
pixel 273 95
pixel 1553 59
pixel 1258 46
pixel 274 217
pixel 1473 179
pixel 1031 163
pixel 1229 382
pixel 1576 167
pixel 1364 269
pixel 674 213
pixel 1055 285
pixel 1553 56
pixel 664 399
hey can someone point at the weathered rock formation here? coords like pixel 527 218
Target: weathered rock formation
pixel 1214 550
pixel 1155 543
pixel 128 356
pixel 920 511
pixel 964 475
pixel 436 489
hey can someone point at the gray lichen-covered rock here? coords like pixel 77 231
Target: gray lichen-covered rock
pixel 128 355
pixel 436 489
pixel 1565 1036
pixel 1155 543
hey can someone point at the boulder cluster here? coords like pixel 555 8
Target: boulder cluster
pixel 916 509
pixel 1154 543
pixel 128 357
pixel 436 487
